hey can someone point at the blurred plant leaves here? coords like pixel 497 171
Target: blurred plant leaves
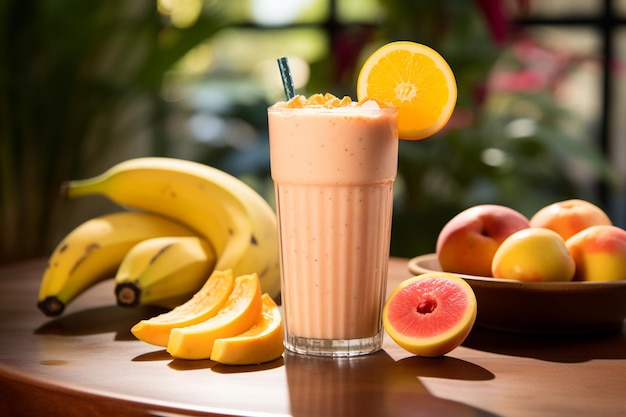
pixel 77 79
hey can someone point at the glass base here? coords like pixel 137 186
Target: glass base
pixel 334 347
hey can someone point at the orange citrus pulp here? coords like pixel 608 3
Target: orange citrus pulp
pixel 415 79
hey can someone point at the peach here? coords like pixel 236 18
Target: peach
pixel 468 242
pixel 599 253
pixel 534 254
pixel 569 217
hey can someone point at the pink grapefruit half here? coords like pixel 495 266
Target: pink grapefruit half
pixel 430 314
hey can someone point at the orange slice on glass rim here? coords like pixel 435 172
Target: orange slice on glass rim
pixel 415 79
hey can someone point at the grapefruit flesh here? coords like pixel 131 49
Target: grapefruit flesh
pixel 430 314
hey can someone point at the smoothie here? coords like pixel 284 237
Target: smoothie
pixel 334 170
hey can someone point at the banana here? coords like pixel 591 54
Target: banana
pixel 237 221
pixel 240 312
pixel 93 251
pixel 163 271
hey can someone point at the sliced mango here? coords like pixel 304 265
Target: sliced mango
pixel 240 313
pixel 263 342
pixel 206 303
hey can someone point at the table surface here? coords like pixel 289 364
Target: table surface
pixel 87 362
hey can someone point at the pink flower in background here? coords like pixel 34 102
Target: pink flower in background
pixel 540 68
pixel 515 82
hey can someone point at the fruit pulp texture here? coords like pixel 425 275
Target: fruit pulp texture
pixel 333 171
pixel 428 308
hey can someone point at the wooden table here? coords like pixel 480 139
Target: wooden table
pixel 87 363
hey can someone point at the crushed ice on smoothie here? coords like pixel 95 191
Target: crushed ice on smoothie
pixel 330 101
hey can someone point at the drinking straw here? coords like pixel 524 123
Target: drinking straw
pixel 285 75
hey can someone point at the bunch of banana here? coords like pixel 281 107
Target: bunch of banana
pixel 185 221
pixel 93 252
pixel 233 218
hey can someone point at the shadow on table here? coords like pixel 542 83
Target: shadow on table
pixel 444 367
pixel 154 356
pixel 190 365
pixel 230 369
pixel 375 385
pixel 370 385
pixel 565 349
pixel 97 321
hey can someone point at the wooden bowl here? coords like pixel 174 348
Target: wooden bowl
pixel 541 308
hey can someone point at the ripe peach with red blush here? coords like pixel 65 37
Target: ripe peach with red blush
pixel 569 217
pixel 468 242
pixel 599 253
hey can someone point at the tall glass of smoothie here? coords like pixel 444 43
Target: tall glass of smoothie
pixel 333 169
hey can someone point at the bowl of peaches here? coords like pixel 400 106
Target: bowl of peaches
pixel 560 272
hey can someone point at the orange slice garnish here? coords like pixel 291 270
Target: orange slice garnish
pixel 416 80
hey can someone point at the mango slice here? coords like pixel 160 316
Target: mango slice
pixel 206 303
pixel 240 312
pixel 263 342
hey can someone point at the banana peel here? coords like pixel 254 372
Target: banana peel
pixel 93 251
pixel 164 271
